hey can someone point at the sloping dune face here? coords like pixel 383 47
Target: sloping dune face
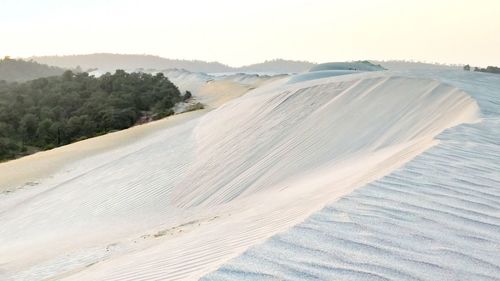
pixel 186 199
pixel 435 218
pixel 259 141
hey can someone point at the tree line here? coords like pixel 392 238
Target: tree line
pixel 48 112
pixel 489 69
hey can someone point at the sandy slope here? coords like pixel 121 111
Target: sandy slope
pixel 215 93
pixel 184 200
pixel 29 170
pixel 436 218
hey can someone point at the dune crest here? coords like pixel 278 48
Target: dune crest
pixel 256 142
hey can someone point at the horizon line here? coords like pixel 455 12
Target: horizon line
pixel 245 65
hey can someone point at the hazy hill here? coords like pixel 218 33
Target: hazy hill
pixel 278 65
pixel 111 62
pixel 20 70
pixel 352 65
pixel 412 65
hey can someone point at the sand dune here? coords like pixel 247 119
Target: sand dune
pixel 196 81
pixel 436 218
pixel 265 133
pixel 185 199
pixel 32 169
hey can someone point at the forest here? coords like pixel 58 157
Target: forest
pixel 489 69
pixel 48 112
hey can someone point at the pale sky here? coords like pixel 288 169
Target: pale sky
pixel 244 32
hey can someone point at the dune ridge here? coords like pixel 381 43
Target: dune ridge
pixel 265 133
pixel 435 218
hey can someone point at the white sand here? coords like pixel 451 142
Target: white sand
pixel 435 218
pixel 182 201
pixel 31 169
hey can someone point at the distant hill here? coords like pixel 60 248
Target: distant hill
pixel 353 65
pixel 111 62
pixel 20 70
pixel 412 65
pixel 107 62
pixel 278 66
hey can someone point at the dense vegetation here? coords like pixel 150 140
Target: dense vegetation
pixel 19 70
pixel 489 69
pixel 49 112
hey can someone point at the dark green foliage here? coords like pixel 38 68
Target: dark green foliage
pixel 489 69
pixel 49 112
pixel 20 70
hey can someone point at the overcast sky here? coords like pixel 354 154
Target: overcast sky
pixel 243 32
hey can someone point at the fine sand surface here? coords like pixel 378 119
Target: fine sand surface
pixel 436 218
pixel 225 91
pixel 29 170
pixel 179 203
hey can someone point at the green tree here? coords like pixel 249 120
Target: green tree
pixel 43 133
pixel 28 127
pixel 53 111
pixel 67 75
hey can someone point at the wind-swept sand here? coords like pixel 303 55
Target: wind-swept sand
pixel 184 200
pixel 29 170
pixel 215 93
pixel 435 218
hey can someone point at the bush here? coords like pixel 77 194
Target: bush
pixel 195 106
